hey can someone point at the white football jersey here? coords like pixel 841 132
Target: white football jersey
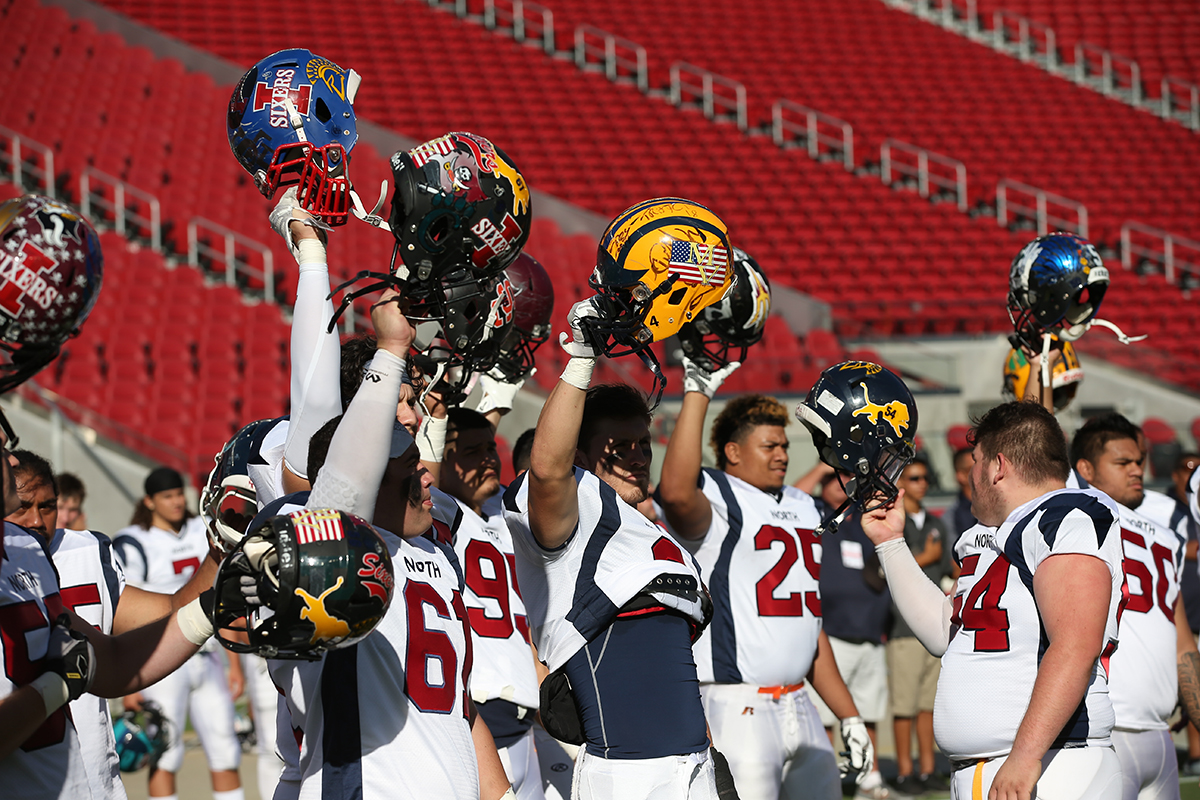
pixel 49 764
pixel 1143 681
pixel 761 562
pixel 1166 511
pixel 574 592
pixel 499 629
pixel 387 718
pixel 1193 495
pixel 160 560
pixel 996 636
pixel 90 584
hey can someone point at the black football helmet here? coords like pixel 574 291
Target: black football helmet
pixel 863 422
pixel 229 501
pixel 724 331
pixel 323 579
pixel 51 270
pixel 533 303
pixel 460 334
pixel 459 202
pixel 1056 284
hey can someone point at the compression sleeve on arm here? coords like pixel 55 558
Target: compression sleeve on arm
pixel 923 605
pixel 361 446
pixel 316 363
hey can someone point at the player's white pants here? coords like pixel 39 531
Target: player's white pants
pixel 771 742
pixel 689 777
pixel 1149 768
pixel 520 760
pixel 1082 773
pixel 264 699
pixel 557 763
pixel 198 687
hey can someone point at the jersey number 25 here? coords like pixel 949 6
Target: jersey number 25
pixel 794 604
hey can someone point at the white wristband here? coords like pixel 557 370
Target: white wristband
pixel 578 372
pixel 431 438
pixel 53 689
pixel 195 626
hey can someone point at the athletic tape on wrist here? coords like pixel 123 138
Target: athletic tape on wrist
pixel 53 689
pixel 311 252
pixel 578 372
pixel 431 438
pixel 195 626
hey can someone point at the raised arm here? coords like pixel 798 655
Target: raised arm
pixel 553 501
pixel 361 446
pixel 688 511
pixel 1072 593
pixel 923 605
pixel 316 394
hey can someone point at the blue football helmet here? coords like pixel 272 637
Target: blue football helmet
pixel 1056 285
pixel 229 500
pixel 51 269
pixel 291 122
pixel 142 736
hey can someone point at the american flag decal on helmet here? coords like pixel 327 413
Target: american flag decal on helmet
pixel 318 526
pixel 696 262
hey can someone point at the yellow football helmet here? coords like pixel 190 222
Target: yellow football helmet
pixel 660 263
pixel 1065 376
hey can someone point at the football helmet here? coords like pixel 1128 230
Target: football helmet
pixel 52 268
pixel 1066 375
pixel 533 303
pixel 461 334
pixel 724 331
pixel 863 422
pixel 459 202
pixel 1056 284
pixel 291 121
pixel 322 578
pixel 141 737
pixel 229 501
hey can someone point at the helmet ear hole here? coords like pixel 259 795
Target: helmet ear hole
pixel 677 296
pixel 322 111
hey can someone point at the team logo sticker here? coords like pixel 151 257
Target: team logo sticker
pixel 318 526
pixel 894 413
pixel 276 93
pixel 698 263
pixel 376 568
pixel 328 73
pixel 326 627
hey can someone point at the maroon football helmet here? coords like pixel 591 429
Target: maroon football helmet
pixel 533 303
pixel 50 273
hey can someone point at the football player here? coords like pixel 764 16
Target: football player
pixel 750 529
pixel 504 684
pixel 160 552
pixel 1034 610
pixel 614 603
pixel 1157 661
pixel 399 697
pixel 51 655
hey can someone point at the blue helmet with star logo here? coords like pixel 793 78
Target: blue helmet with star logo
pixel 1056 284
pixel 51 269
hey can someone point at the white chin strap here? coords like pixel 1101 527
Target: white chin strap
pixel 1047 338
pixel 371 217
pixel 1121 337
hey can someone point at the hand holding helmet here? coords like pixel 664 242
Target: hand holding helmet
pixel 579 343
pixel 697 378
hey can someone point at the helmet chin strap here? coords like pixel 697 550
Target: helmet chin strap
pixel 1121 335
pixel 371 217
pixel 660 381
pixel 831 523
pixel 1047 338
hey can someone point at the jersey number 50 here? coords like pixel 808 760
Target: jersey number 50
pixel 794 604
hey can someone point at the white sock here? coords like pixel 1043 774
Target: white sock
pixel 232 794
pixel 165 797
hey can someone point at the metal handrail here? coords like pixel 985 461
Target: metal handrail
pixel 1189 114
pixel 706 90
pixel 1040 210
pixel 785 132
pixel 922 172
pixel 1026 41
pixel 614 56
pixel 1108 83
pixel 513 17
pixel 1167 256
pixel 118 207
pixel 228 254
pixel 15 163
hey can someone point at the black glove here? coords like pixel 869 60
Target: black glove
pixel 725 788
pixel 70 654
